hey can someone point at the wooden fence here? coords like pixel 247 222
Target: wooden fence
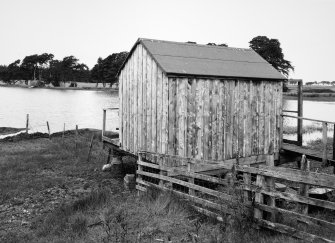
pixel 324 154
pixel 258 190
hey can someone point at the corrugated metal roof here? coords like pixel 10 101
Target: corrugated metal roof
pixel 177 58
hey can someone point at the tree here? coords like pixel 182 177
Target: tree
pixel 106 69
pixel 271 51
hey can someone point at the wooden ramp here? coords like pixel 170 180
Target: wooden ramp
pixel 310 153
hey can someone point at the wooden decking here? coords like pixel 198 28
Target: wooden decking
pixel 310 153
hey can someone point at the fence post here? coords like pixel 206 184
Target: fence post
pixel 48 129
pixel 90 149
pixel 300 112
pixel 334 143
pixel 324 143
pixel 103 122
pixel 27 124
pixel 139 169
pixel 76 138
pixel 270 201
pixel 259 197
pixel 303 189
pixel 190 179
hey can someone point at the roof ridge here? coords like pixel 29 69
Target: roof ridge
pixel 191 44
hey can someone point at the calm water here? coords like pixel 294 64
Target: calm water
pixel 320 110
pixel 84 108
pixel 72 107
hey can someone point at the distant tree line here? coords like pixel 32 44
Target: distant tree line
pixel 321 83
pixel 49 70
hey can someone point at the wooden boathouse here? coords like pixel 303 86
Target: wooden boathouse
pixel 196 115
pixel 199 101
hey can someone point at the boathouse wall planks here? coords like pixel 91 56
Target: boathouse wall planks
pixel 198 117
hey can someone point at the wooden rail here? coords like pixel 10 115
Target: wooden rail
pixel 103 135
pixel 324 155
pixel 269 205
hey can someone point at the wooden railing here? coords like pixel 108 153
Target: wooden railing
pixel 104 137
pixel 324 135
pixel 283 211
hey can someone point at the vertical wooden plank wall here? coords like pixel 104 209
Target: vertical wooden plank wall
pixel 195 117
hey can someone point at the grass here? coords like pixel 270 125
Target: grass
pixel 306 129
pixel 49 193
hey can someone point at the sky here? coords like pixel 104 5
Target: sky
pixel 89 29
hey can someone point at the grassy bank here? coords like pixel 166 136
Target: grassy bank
pixel 50 193
pixel 9 130
pixel 315 93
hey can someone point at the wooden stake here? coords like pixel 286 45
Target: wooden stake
pixel 90 149
pixel 109 155
pixel 76 138
pixel 324 142
pixel 303 190
pixel 27 124
pixel 63 133
pixel 48 129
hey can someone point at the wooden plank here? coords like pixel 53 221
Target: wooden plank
pixel 215 119
pixel 128 105
pixel 220 120
pixel 311 154
pixel 191 117
pixel 199 119
pixel 139 100
pixel 172 116
pixel 261 118
pixel 165 115
pixel 303 190
pixel 191 199
pixel 291 231
pixel 259 198
pixel 312 178
pixel 135 90
pixel 210 117
pixel 182 115
pixel 256 159
pixel 235 112
pixel 189 185
pixel 120 79
pixel 205 138
pixel 300 217
pixel 131 108
pixel 154 107
pixel 159 114
pixel 149 103
pixel 144 98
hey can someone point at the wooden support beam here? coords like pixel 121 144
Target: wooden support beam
pixel 300 113
pixel 324 143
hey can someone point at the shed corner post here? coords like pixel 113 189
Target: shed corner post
pixel 300 112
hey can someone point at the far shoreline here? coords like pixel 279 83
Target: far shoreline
pixel 62 88
pixel 315 97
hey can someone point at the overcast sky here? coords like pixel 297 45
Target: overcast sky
pixel 89 29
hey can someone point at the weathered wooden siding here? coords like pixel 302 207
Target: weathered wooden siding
pixel 143 104
pixel 193 117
